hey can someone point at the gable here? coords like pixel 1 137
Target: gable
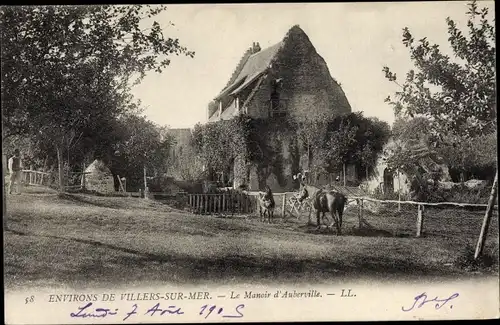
pixel 291 59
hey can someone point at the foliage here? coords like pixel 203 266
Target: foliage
pixel 53 52
pixel 344 139
pixel 462 193
pixel 465 154
pixel 185 164
pixel 412 145
pixel 379 194
pixel 415 144
pixel 352 139
pixel 311 130
pixel 340 144
pixel 446 105
pixel 142 144
pixel 219 143
pixel 457 96
pixel 67 70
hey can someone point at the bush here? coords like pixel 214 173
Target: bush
pixel 379 195
pixel 462 193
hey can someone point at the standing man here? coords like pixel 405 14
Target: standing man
pixel 15 171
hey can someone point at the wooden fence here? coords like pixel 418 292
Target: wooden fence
pixel 34 177
pixel 245 203
pixel 231 202
pixel 420 209
pixel 39 178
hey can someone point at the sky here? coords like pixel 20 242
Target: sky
pixel 356 40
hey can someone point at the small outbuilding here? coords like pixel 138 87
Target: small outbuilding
pixel 99 178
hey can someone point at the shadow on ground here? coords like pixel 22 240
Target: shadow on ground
pixel 353 231
pixel 182 269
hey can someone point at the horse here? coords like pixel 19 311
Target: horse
pixel 325 201
pixel 266 204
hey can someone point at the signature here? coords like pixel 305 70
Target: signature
pixel 422 299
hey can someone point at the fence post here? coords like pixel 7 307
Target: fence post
pixel 119 182
pixel 420 220
pixel 145 184
pixel 83 177
pixel 487 217
pixel 360 209
pixel 399 192
pixel 283 202
pixel 4 201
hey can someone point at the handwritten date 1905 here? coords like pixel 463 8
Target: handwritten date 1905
pixel 422 300
pixel 207 310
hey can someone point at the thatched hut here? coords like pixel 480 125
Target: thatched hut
pixel 99 178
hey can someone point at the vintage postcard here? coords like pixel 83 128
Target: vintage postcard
pixel 266 162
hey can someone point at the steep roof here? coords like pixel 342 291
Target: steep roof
pixel 98 166
pixel 254 67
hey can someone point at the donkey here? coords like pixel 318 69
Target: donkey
pixel 266 204
pixel 324 201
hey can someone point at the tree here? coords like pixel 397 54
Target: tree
pixel 143 145
pixel 371 137
pixel 366 156
pixel 65 68
pixel 340 145
pixel 457 96
pixel 311 130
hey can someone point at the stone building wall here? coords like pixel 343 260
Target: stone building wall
pixel 307 86
pixel 307 91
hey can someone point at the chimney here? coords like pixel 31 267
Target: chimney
pixel 255 47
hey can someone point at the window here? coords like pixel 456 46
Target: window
pixel 277 103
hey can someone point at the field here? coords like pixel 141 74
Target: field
pixel 78 240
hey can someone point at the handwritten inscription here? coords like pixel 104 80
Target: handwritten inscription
pixel 90 311
pixel 87 311
pixel 169 304
pixel 422 300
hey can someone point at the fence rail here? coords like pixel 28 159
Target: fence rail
pixel 245 203
pixel 34 177
pixel 410 218
pixel 457 204
pixel 222 203
pixel 39 178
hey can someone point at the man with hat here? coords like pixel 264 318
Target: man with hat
pixel 15 171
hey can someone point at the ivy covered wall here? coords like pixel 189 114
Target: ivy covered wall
pixel 260 151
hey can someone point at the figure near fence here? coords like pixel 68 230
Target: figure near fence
pixel 324 201
pixel 266 204
pixel 15 167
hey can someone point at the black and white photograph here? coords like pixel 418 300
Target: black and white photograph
pixel 249 162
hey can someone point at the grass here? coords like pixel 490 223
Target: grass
pixel 80 240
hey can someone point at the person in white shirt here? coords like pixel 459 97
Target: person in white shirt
pixel 15 171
